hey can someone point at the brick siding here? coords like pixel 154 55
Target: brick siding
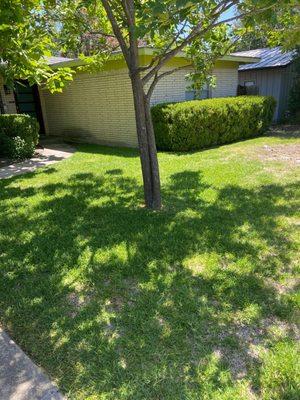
pixel 98 107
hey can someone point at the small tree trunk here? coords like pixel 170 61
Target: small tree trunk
pixel 153 157
pixel 147 147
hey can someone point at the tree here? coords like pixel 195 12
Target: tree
pixel 285 31
pixel 25 41
pixel 294 95
pixel 254 39
pixel 202 29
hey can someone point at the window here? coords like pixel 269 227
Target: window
pixel 197 94
pixel 251 88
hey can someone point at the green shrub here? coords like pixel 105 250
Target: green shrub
pixel 18 136
pixel 196 124
pixel 294 101
pixel 294 95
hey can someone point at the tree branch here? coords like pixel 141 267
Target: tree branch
pixel 158 57
pixel 133 43
pixel 127 11
pixel 198 33
pixel 150 65
pixel 224 7
pixel 116 29
pixel 194 33
pixel 157 78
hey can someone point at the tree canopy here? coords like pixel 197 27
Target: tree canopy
pixel 31 30
pixel 95 29
pixel 25 41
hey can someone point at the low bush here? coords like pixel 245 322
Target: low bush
pixel 197 124
pixel 19 135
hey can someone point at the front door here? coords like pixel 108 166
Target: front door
pixel 28 102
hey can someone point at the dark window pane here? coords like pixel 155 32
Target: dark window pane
pixel 25 97
pixel 26 107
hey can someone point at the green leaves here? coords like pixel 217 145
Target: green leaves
pixel 277 25
pixel 24 40
pixel 31 30
pixel 56 80
pixel 194 125
pixel 18 136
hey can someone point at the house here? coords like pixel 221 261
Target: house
pixel 98 107
pixel 272 76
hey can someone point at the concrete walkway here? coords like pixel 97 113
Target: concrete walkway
pixel 51 154
pixel 20 378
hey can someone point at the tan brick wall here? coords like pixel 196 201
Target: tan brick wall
pixel 8 100
pixel 98 107
pixel 173 87
pixel 227 81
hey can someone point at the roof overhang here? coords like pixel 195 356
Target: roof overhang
pixel 241 59
pixel 149 51
pixel 76 62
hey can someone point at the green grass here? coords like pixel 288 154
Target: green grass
pixel 198 301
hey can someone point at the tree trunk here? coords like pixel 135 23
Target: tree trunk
pixel 153 156
pixel 147 146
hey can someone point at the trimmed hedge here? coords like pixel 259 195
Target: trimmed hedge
pixel 19 134
pixel 197 124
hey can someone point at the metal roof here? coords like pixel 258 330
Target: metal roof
pixel 270 58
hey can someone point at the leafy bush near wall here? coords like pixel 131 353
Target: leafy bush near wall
pixel 294 96
pixel 197 124
pixel 19 135
pixel 294 101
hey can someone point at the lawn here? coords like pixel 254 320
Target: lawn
pixel 197 301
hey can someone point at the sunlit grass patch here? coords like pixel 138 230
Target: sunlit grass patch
pixel 199 300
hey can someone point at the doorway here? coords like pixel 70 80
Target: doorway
pixel 28 102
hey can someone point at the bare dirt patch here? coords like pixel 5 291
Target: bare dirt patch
pixel 252 342
pixel 78 300
pixel 288 153
pixel 288 286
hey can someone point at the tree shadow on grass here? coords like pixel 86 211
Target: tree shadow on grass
pixel 124 152
pixel 113 300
